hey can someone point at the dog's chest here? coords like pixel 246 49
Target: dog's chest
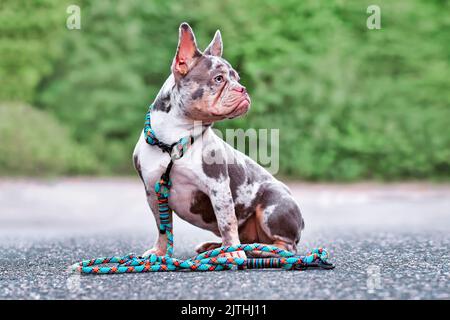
pixel 186 177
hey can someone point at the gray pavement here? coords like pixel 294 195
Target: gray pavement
pixel 387 241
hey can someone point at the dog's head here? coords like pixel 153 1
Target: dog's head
pixel 207 86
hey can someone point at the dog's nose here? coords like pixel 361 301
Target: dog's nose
pixel 240 89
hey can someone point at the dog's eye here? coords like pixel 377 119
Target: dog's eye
pixel 218 79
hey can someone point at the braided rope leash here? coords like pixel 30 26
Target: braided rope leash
pixel 212 260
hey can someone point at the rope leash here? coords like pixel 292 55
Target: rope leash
pixel 211 260
pixel 206 261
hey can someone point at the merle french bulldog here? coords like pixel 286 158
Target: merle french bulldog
pixel 233 196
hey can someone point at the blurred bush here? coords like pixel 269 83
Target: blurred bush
pixel 34 143
pixel 29 45
pixel 350 103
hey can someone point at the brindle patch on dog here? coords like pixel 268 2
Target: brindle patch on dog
pixel 137 166
pixel 284 221
pixel 237 177
pixel 197 94
pixel 214 167
pixel 162 104
pixel 201 204
pixel 200 74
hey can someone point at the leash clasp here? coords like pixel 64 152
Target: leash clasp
pixel 179 148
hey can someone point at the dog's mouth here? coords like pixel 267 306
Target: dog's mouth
pixel 241 108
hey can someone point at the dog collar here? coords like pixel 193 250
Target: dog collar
pixel 176 150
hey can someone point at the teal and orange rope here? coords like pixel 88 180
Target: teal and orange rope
pixel 206 261
pixel 212 260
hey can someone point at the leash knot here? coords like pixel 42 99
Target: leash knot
pixel 162 187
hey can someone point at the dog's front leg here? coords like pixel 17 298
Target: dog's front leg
pixel 160 246
pixel 223 206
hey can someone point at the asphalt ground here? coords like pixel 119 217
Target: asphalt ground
pixel 387 242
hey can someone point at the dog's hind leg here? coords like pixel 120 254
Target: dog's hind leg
pixel 278 225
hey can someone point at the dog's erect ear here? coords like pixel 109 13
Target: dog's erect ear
pixel 215 47
pixel 187 51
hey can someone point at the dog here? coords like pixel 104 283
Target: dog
pixel 235 198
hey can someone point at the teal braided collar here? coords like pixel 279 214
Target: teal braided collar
pixel 175 150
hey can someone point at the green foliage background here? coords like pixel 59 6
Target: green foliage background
pixel 351 103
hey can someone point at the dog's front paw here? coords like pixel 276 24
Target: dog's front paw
pixel 158 252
